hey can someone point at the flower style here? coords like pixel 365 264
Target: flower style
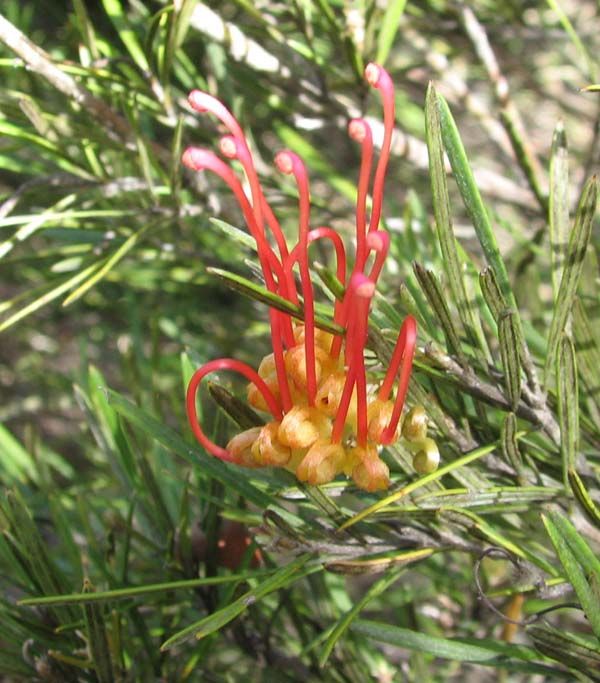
pixel 326 419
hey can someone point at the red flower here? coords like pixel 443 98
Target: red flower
pixel 326 417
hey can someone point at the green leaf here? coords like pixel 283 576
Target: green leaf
pixel 472 198
pixel 239 411
pixel 578 242
pixel 97 638
pixel 138 591
pixel 389 28
pixel 240 236
pixel 566 648
pixel 583 497
pixel 422 481
pixel 580 563
pixel 432 290
pixel 485 651
pixel 508 335
pixel 16 464
pixel 108 264
pixel 28 547
pixel 443 218
pixel 229 476
pixel 510 447
pixel 114 9
pixel 568 404
pixel 588 355
pixel 258 293
pixel 53 292
pixel 344 622
pixel 559 205
pixel 215 621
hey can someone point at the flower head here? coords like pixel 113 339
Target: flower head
pixel 326 418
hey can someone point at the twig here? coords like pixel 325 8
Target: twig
pixel 490 394
pixel 510 116
pixel 40 62
pixel 249 52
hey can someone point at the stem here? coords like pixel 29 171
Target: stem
pixel 224 364
pixel 359 130
pixel 232 148
pixel 379 242
pixel 402 358
pixel 203 102
pixel 361 291
pixel 290 163
pixel 340 254
pixel 199 159
pixel 379 78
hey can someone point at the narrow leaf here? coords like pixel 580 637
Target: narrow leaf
pixel 510 447
pixel 559 205
pixel 432 290
pixel 97 639
pixel 566 648
pixel 389 28
pixel 488 651
pixel 472 198
pixel 344 622
pixel 258 293
pixel 578 242
pixel 239 411
pixel 509 350
pixel 443 219
pixel 215 621
pixel 580 563
pixel 583 497
pixel 568 404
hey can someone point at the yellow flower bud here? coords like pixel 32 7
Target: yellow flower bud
pixel 256 399
pixel 267 366
pixel 240 447
pixel 267 450
pixel 302 426
pixel 371 473
pixel 379 414
pixel 295 364
pixel 322 339
pixel 329 395
pixel 414 427
pixel 428 458
pixel 322 462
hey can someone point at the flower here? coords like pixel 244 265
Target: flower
pixel 326 418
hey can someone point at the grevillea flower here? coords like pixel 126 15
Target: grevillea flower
pixel 326 418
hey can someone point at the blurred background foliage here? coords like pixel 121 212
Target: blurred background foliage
pixel 107 307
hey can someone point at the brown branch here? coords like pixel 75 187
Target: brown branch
pixel 491 395
pixel 40 62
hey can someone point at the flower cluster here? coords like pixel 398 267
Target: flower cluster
pixel 326 418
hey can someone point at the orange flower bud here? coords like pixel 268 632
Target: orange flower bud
pixel 240 446
pixel 371 473
pixel 379 414
pixel 295 364
pixel 256 399
pixel 322 339
pixel 302 426
pixel 267 450
pixel 322 462
pixel 329 395
pixel 267 366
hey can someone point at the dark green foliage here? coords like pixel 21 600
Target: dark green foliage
pixel 127 553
